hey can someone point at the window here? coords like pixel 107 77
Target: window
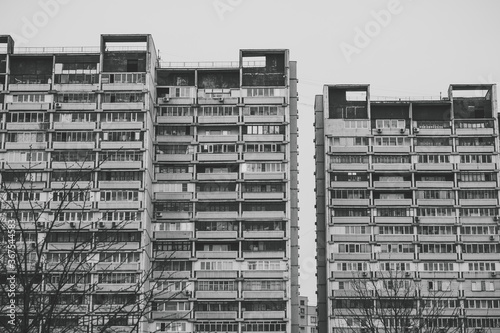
pixel 218 111
pixel 125 77
pixel 75 98
pixel 477 194
pixel 434 141
pixel 75 216
pixel 27 117
pixel 172 246
pixel 472 212
pixel 398 248
pixel 173 130
pixel 350 212
pixel 350 194
pixel 260 92
pixel 29 98
pixel 348 141
pixel 355 123
pixel 391 141
pixel 481 248
pixel 436 211
pixel 123 97
pixel 438 266
pixel 123 257
pixel 120 155
pixel 433 158
pixel 264 129
pixel 263 326
pixel 216 286
pixel 73 156
pixel 173 149
pixel 175 111
pixel 119 195
pixel 120 117
pixel 437 230
pixel 173 226
pixel 478 230
pixel 395 230
pixel 216 326
pixel 391 159
pixel 349 177
pixel 395 266
pixel 475 158
pixel 349 159
pixel 437 248
pixel 86 136
pixel 265 188
pixel 75 117
pixel 392 212
pixel 217 148
pixel 264 167
pixel 26 137
pixel 170 285
pixel 482 303
pixel 483 286
pixel 264 226
pixel 482 266
pixel 354 248
pixel 173 206
pixel 216 265
pixel 122 136
pixel 264 265
pixel 173 169
pixel 76 78
pixel 27 156
pixel 476 141
pixel 121 176
pixel 71 176
pixel 390 123
pixel 477 177
pixel 120 216
pixel 257 285
pixel 352 266
pixel 23 196
pixel 435 194
pixel 70 196
pixel 264 148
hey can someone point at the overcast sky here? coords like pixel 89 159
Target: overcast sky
pixel 400 47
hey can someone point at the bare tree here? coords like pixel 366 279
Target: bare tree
pixel 394 302
pixel 65 268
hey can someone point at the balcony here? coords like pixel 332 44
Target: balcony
pixel 344 184
pixel 478 184
pixel 121 144
pixel 175 119
pixel 28 106
pixel 174 138
pixel 121 165
pixel 174 176
pixel 172 254
pixel 438 202
pixel 263 176
pixel 25 145
pixel 70 205
pixel 217 176
pixel 174 157
pixel 263 274
pixel 263 214
pixel 138 106
pixel 216 234
pixel 71 184
pixel 173 195
pixel 74 165
pixel 434 184
pixel 73 145
pixel 27 126
pixel 391 149
pixel 113 266
pixel 169 315
pixel 264 254
pixel 217 254
pixel 475 149
pixel 120 204
pixel 217 119
pixel 391 166
pixel 433 149
pixel 137 125
pixel 476 166
pixel 264 100
pixel 264 294
pixel 437 238
pixel 220 294
pixel 393 202
pixel 438 256
pixel 216 215
pixel 350 202
pixel 394 238
pixel 29 87
pixel 75 87
pixel 131 184
pixel 264 314
pixel 431 127
pixel 217 157
pixel 350 149
pixel 228 195
pixel 172 275
pixel 478 202
pixel 172 234
pixel 264 195
pixel 392 184
pixel 394 219
pixel 263 119
pixel 75 126
pixel 174 215
pixel 123 81
pixel 264 156
pixel 263 137
pixel 474 126
pixel 216 314
pixel 396 256
pixel 74 106
pixel 349 166
pixel 216 274
pixel 264 234
pixel 434 166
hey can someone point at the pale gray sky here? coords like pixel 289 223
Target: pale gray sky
pixel 400 47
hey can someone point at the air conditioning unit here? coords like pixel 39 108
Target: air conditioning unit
pixel 102 225
pixel 40 224
pixel 188 293
pixel 166 99
pixel 493 273
pixel 58 105
pixel 415 129
pixel 417 219
pixel 221 99
pixel 402 131
pixel 113 225
pixel 72 225
pixel 492 238
pixel 407 273
pixel 364 274
pixel 495 218
pixel 158 214
pixel 379 130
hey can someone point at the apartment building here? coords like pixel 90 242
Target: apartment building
pixel 199 160
pixel 308 318
pixel 409 186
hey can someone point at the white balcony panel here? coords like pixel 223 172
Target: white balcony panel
pixel 217 176
pixel 172 234
pixel 263 195
pixel 174 157
pixel 73 145
pixel 351 219
pixel 121 125
pixel 392 166
pixel 385 184
pixel 216 274
pixel 434 166
pixel 258 274
pixel 439 202
pixel 28 106
pixel 393 219
pixel 263 137
pixel 433 131
pixel 216 215
pixel 121 144
pixel 344 184
pixel 174 138
pixel 221 294
pixel 217 138
pixel 264 234
pixel 123 86
pixel 216 254
pixel 217 119
pixel 393 202
pixel 391 149
pixel 29 87
pixel 75 126
pixel 216 314
pixel 352 149
pixel 217 195
pixel 74 165
pixel 476 166
pixel 174 176
pixel 123 106
pixel 216 234
pixel 350 202
pixel 173 195
pixel 76 106
pixel 121 165
pixel 75 87
pixel 264 156
pixel 478 202
pixel 263 119
pixel 263 314
pixel 477 184
pixel 27 126
pixel 173 215
pixel 264 100
pixel 433 149
pixel 131 184
pixel 263 215
pixel 264 254
pixel 72 185
pixel 349 166
pixel 25 145
pixel 475 149
pixel 175 119
pixel 264 294
pixel 477 219
pixel 172 254
pixel 120 204
pixel 474 131
pixel 176 101
pixel 264 176
pixel 217 157
pixel 434 184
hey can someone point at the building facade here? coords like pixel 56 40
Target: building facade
pixel 308 318
pixel 409 187
pixel 193 165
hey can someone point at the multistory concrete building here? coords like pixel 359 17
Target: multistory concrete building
pixel 409 186
pixel 200 160
pixel 308 318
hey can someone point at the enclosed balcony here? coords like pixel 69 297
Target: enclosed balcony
pixel 123 81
